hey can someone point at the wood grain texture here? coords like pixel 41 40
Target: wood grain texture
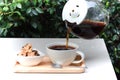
pixel 46 67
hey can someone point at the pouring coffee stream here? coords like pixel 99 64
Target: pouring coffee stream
pixel 67 36
pixel 84 18
pixel 71 13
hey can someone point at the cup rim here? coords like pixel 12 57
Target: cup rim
pixel 62 43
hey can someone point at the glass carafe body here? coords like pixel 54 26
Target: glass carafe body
pixel 94 22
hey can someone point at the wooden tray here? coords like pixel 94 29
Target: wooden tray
pixel 46 67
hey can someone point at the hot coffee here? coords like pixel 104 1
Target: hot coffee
pixel 87 29
pixel 62 56
pixel 61 47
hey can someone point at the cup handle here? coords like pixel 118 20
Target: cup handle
pixel 82 57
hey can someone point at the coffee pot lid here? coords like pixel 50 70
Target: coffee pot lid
pixel 75 11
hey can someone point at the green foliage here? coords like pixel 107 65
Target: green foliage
pixel 31 18
pixel 42 18
pixel 111 34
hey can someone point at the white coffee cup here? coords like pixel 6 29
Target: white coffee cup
pixel 64 57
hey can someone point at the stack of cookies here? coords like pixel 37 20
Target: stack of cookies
pixel 27 50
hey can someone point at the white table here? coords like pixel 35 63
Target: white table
pixel 97 60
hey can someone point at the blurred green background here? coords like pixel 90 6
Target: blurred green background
pixel 42 19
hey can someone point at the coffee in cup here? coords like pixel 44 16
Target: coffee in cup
pixel 61 47
pixel 61 55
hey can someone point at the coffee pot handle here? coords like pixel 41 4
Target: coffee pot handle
pixel 82 57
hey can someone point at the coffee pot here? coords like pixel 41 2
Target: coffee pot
pixel 85 18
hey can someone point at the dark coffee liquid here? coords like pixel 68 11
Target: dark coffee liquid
pixel 61 47
pixel 67 37
pixel 87 29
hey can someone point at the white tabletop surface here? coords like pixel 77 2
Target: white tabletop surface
pixel 97 60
